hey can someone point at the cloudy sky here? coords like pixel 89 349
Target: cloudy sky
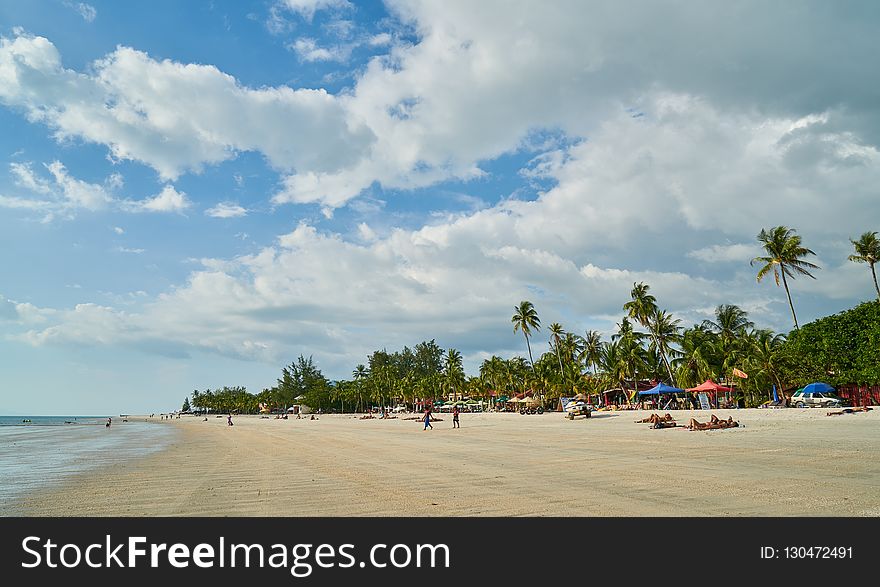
pixel 194 193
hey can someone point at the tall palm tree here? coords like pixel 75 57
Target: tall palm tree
pixel 454 372
pixel 592 349
pixel 643 309
pixel 556 332
pixel 868 251
pixel 666 332
pixel 784 257
pixel 525 318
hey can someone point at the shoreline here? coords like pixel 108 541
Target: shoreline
pixel 778 463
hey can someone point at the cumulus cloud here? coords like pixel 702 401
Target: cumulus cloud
pixel 226 210
pixel 176 117
pixel 168 200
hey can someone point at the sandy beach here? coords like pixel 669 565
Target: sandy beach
pixel 778 463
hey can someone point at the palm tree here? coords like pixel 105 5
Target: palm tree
pixel 556 332
pixel 730 321
pixel 592 349
pixel 784 256
pixel 525 318
pixel 731 325
pixel 868 251
pixel 643 308
pixel 666 332
pixel 454 372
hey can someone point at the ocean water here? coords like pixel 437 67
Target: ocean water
pixel 49 449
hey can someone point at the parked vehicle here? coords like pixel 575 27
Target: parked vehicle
pixel 577 408
pixel 815 399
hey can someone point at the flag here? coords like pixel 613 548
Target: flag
pixel 740 374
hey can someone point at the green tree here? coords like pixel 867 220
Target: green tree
pixel 784 257
pixel 867 251
pixel 525 318
pixel 185 407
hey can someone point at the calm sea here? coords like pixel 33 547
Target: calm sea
pixel 40 451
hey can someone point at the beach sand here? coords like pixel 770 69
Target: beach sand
pixel 785 462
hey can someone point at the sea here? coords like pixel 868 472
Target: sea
pixel 37 452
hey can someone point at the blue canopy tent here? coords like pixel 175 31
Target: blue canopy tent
pixel 661 388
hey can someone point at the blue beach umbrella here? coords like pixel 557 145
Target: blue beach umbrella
pixel 775 395
pixel 818 387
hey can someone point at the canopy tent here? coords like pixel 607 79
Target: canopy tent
pixel 818 386
pixel 532 401
pixel 661 388
pixel 709 385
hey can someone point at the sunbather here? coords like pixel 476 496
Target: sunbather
pixel 714 423
pixel 664 424
pixel 654 418
pixel 849 411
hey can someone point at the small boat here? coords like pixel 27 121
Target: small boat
pixel 25 421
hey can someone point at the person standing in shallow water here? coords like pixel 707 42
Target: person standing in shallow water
pixel 455 422
pixel 428 419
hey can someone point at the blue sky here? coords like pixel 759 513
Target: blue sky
pixel 194 193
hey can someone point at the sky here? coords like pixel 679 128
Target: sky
pixel 192 194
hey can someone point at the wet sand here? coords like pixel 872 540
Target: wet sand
pixel 786 462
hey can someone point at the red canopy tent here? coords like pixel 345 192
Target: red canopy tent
pixel 710 387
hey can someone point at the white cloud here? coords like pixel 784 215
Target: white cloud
pixel 24 203
pixel 226 210
pixel 118 230
pixel 168 200
pixel 176 117
pixel 79 194
pixel 25 177
pixel 726 253
pixel 380 40
pixel 308 8
pixel 129 251
pixel 308 50
pixel 86 11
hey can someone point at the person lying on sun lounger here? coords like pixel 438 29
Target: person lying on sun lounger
pixel 654 418
pixel 714 423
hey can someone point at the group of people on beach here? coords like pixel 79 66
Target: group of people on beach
pixel 667 421
pixel 427 418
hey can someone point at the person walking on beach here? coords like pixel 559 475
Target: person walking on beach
pixel 455 422
pixel 428 419
pixel 229 420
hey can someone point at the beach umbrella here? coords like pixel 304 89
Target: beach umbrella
pixel 818 387
pixel 775 395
